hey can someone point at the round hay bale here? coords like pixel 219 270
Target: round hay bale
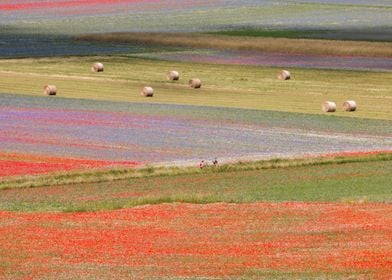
pixel 329 106
pixel 173 76
pixel 147 92
pixel 349 106
pixel 195 83
pixel 50 90
pixel 284 75
pixel 97 67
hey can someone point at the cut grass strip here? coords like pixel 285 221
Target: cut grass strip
pixel 223 85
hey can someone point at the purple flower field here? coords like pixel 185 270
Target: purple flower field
pixel 147 137
pixel 192 15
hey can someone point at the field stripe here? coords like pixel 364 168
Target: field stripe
pixel 64 4
pixel 13 164
pixel 216 240
pixel 236 86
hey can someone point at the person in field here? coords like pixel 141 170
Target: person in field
pixel 201 164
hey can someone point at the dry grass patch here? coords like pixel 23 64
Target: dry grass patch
pixel 297 46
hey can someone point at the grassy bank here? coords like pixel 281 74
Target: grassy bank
pixel 345 179
pixel 223 85
pixel 254 43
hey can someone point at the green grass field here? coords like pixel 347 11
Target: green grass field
pixel 223 86
pixel 350 180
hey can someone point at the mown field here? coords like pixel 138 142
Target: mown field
pixel 225 86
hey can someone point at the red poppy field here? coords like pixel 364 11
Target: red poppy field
pixel 12 164
pixel 61 4
pixel 215 240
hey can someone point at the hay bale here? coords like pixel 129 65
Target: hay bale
pixel 50 90
pixel 349 106
pixel 195 83
pixel 284 75
pixel 173 76
pixel 147 92
pixel 97 67
pixel 329 106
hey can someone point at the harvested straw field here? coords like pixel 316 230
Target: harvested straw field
pixel 257 86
